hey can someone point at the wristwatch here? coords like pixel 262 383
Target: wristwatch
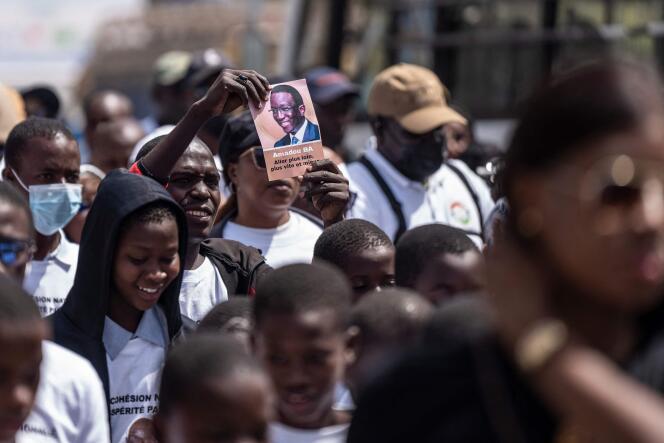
pixel 540 344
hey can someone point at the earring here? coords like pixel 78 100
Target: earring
pixel 530 222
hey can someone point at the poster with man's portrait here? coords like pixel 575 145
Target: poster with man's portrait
pixel 288 130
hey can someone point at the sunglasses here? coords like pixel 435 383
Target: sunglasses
pixel 611 188
pixel 257 156
pixel 15 252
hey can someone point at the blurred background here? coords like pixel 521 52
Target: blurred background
pixel 490 54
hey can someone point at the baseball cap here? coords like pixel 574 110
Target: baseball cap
pixel 238 136
pixel 413 96
pixel 205 64
pixel 192 67
pixel 327 84
pixel 171 67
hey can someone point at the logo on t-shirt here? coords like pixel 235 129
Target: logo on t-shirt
pixel 460 213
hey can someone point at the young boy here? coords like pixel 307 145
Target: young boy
pixel 231 317
pixel 362 251
pixel 122 312
pixel 47 394
pixel 21 333
pixel 300 316
pixel 438 262
pixel 43 162
pixel 212 390
pixel 383 324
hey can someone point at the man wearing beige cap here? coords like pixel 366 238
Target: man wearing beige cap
pixel 405 181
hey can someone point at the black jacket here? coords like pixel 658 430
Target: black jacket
pixel 79 324
pixel 241 267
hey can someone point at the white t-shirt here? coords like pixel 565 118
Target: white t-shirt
pixel 280 433
pixel 292 242
pixel 202 289
pixel 134 363
pixel 70 406
pixel 343 401
pixel 49 280
pixel 444 198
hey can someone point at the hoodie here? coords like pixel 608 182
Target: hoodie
pixel 79 324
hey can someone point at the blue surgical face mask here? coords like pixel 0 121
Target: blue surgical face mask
pixel 54 205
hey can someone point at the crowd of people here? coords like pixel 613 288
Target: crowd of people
pixel 157 287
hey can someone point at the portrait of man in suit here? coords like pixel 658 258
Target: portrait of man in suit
pixel 287 109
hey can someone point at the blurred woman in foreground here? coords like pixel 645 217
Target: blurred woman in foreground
pixel 576 283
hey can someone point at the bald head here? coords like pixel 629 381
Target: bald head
pixel 105 106
pixel 112 143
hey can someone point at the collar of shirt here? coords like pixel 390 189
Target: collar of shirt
pixel 65 254
pixel 151 328
pixel 300 132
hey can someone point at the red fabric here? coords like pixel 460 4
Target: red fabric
pixel 134 169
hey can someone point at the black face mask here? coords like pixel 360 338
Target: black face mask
pixel 421 160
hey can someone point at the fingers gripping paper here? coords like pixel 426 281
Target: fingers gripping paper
pixel 288 130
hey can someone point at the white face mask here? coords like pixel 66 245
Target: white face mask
pixel 54 205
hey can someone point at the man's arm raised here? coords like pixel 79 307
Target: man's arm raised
pixel 232 89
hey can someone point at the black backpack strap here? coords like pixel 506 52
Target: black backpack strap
pixel 387 192
pixel 473 194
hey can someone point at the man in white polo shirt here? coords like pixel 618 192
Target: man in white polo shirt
pixel 42 161
pixel 403 180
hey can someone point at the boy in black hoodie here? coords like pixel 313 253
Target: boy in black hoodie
pixel 122 312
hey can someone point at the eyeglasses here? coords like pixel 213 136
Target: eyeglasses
pixel 283 110
pixel 15 252
pixel 258 157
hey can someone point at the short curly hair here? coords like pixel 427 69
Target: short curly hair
pixel 348 238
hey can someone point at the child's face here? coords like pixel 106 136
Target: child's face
pixel 449 274
pixel 19 373
pixel 236 409
pixel 304 355
pixel 370 270
pixel 146 262
pixel 15 228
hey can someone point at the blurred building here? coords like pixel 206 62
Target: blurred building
pixel 126 48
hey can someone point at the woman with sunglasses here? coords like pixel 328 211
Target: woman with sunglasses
pixel 258 212
pixel 584 177
pixel 575 350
